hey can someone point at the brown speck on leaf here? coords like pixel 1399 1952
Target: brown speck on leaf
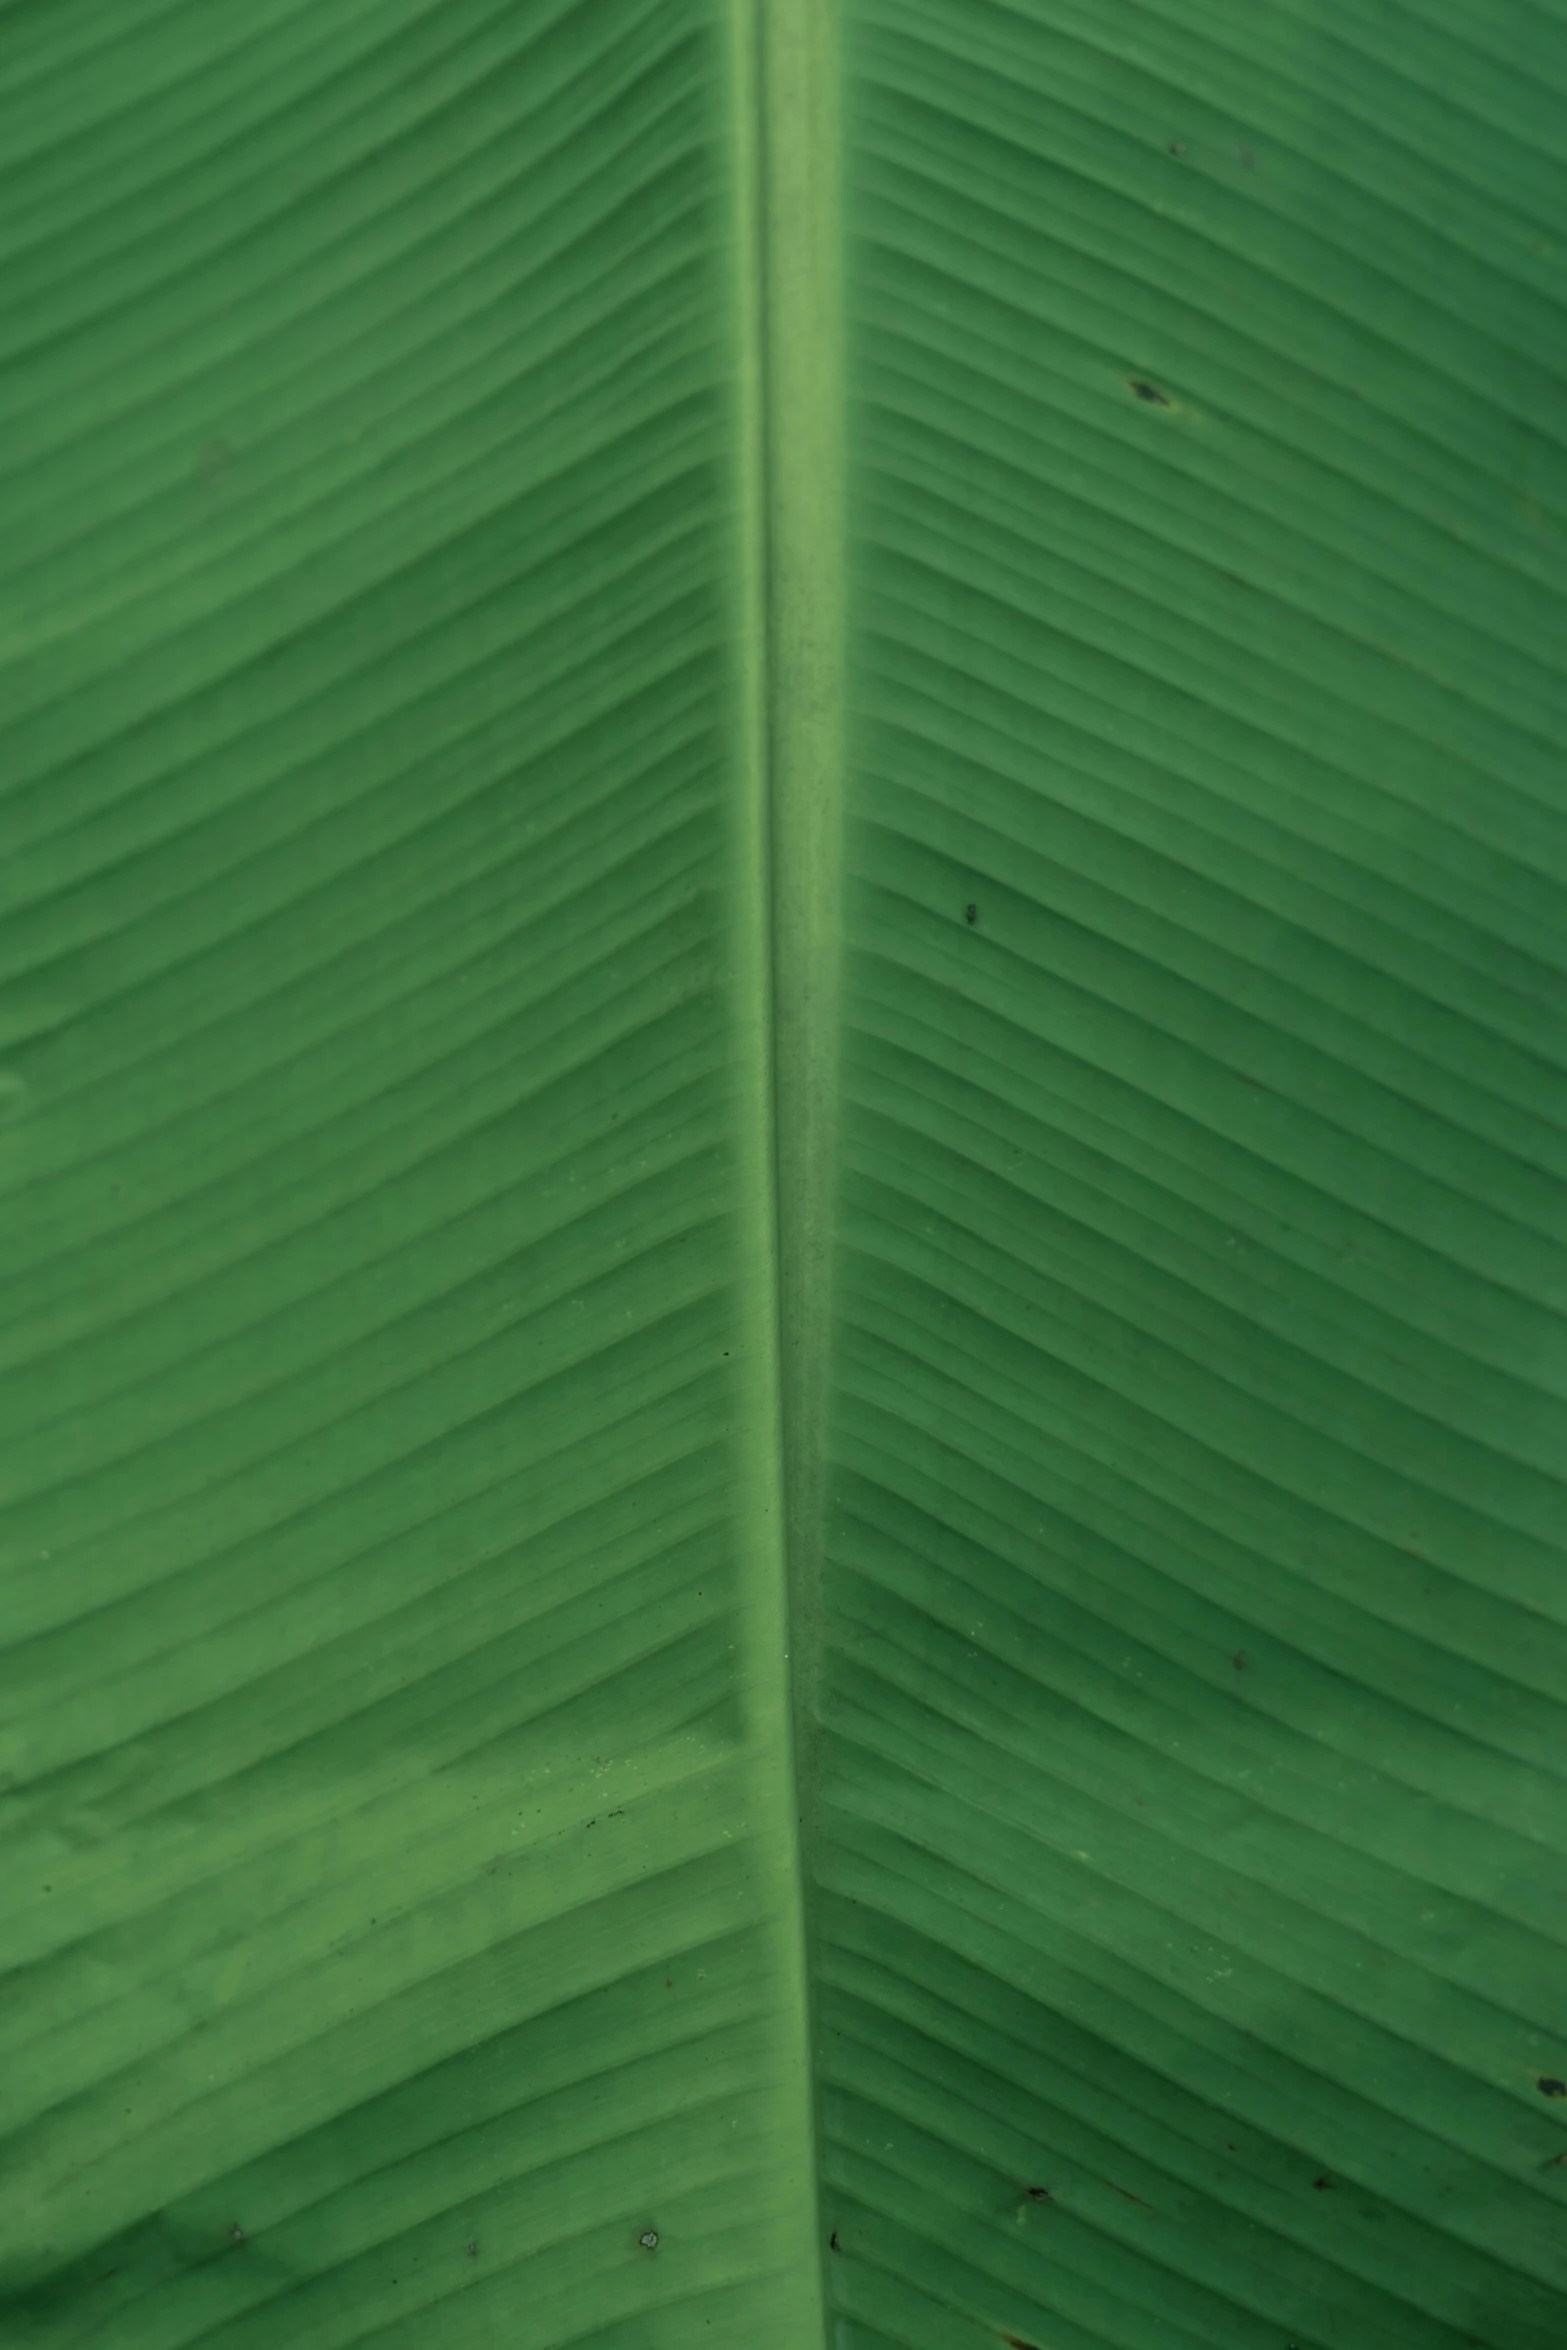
pixel 1148 391
pixel 971 915
pixel 1016 2342
pixel 1322 2184
pixel 1552 2088
pixel 1238 1660
pixel 833 2244
pixel 1037 2194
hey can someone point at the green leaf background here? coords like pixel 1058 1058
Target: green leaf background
pixel 782 994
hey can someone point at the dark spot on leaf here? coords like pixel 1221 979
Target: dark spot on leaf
pixel 1323 2183
pixel 971 914
pixel 649 2239
pixel 1177 146
pixel 1147 391
pixel 833 2244
pixel 236 2234
pixel 1550 2088
pixel 1016 2342
pixel 1037 2194
pixel 1238 1660
pixel 472 2247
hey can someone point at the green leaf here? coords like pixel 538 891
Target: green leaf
pixel 784 1262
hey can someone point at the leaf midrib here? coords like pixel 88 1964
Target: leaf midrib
pixel 787 184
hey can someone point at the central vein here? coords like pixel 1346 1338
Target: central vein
pixel 787 54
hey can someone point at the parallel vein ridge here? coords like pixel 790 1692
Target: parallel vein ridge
pixel 395 1932
pixel 1191 1883
pixel 783 1116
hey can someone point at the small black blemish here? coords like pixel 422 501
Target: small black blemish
pixel 649 2239
pixel 1016 2342
pixel 620 1815
pixel 1148 391
pixel 833 2244
pixel 236 2234
pixel 1322 2185
pixel 1037 2194
pixel 1238 1660
pixel 669 1982
pixel 1177 147
pixel 1550 2088
pixel 472 2247
pixel 971 915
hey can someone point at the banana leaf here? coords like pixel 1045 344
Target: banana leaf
pixel 784 1001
